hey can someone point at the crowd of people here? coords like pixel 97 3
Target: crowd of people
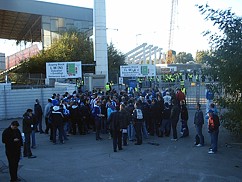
pixel 123 117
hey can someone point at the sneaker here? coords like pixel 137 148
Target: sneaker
pixel 174 139
pixel 211 152
pixel 210 149
pixel 199 145
pixel 32 157
pixel 137 143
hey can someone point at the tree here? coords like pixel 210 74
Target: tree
pixel 225 63
pixel 72 46
pixel 115 60
pixel 183 57
pixel 202 57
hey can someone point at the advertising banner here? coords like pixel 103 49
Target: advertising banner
pixel 64 70
pixel 137 70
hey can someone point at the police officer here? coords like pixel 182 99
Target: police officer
pixel 107 88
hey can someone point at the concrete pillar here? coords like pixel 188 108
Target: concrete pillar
pixel 100 41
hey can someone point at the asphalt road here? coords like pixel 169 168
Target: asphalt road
pixel 83 159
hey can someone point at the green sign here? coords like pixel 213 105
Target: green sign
pixel 144 70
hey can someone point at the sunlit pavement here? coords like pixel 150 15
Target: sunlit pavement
pixel 82 158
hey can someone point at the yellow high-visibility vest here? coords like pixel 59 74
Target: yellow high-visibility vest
pixel 183 90
pixel 107 87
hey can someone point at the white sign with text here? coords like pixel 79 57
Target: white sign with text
pixel 64 70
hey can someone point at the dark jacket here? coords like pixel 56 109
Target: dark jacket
pixel 115 121
pixel 56 117
pixel 75 114
pixel 124 119
pixel 146 110
pixel 38 110
pixel 175 112
pixel 84 112
pixel 167 113
pixel 155 111
pixel 8 137
pixel 129 110
pixel 184 113
pixel 28 123
pixel 161 107
pixel 198 118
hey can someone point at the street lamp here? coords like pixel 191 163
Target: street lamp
pixel 115 29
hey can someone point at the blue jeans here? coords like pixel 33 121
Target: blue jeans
pixel 214 140
pixel 131 132
pixel 166 127
pixel 144 130
pixel 33 139
pixel 39 122
pixel 200 134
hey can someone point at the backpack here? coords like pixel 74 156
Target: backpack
pixel 139 114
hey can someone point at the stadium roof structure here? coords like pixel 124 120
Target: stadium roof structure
pixel 21 19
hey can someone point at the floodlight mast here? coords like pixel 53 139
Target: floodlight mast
pixel 172 23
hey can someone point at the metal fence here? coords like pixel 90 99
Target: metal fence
pixel 14 102
pixel 196 92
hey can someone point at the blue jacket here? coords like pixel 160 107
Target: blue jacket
pixel 209 95
pixel 95 111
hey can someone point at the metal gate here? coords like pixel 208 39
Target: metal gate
pixel 195 92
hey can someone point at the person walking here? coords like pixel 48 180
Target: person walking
pixel 199 121
pixel 12 139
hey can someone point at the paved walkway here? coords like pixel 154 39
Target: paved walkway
pixel 82 158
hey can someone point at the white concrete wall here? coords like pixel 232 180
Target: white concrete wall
pixel 100 46
pixel 15 102
pixel 2 62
